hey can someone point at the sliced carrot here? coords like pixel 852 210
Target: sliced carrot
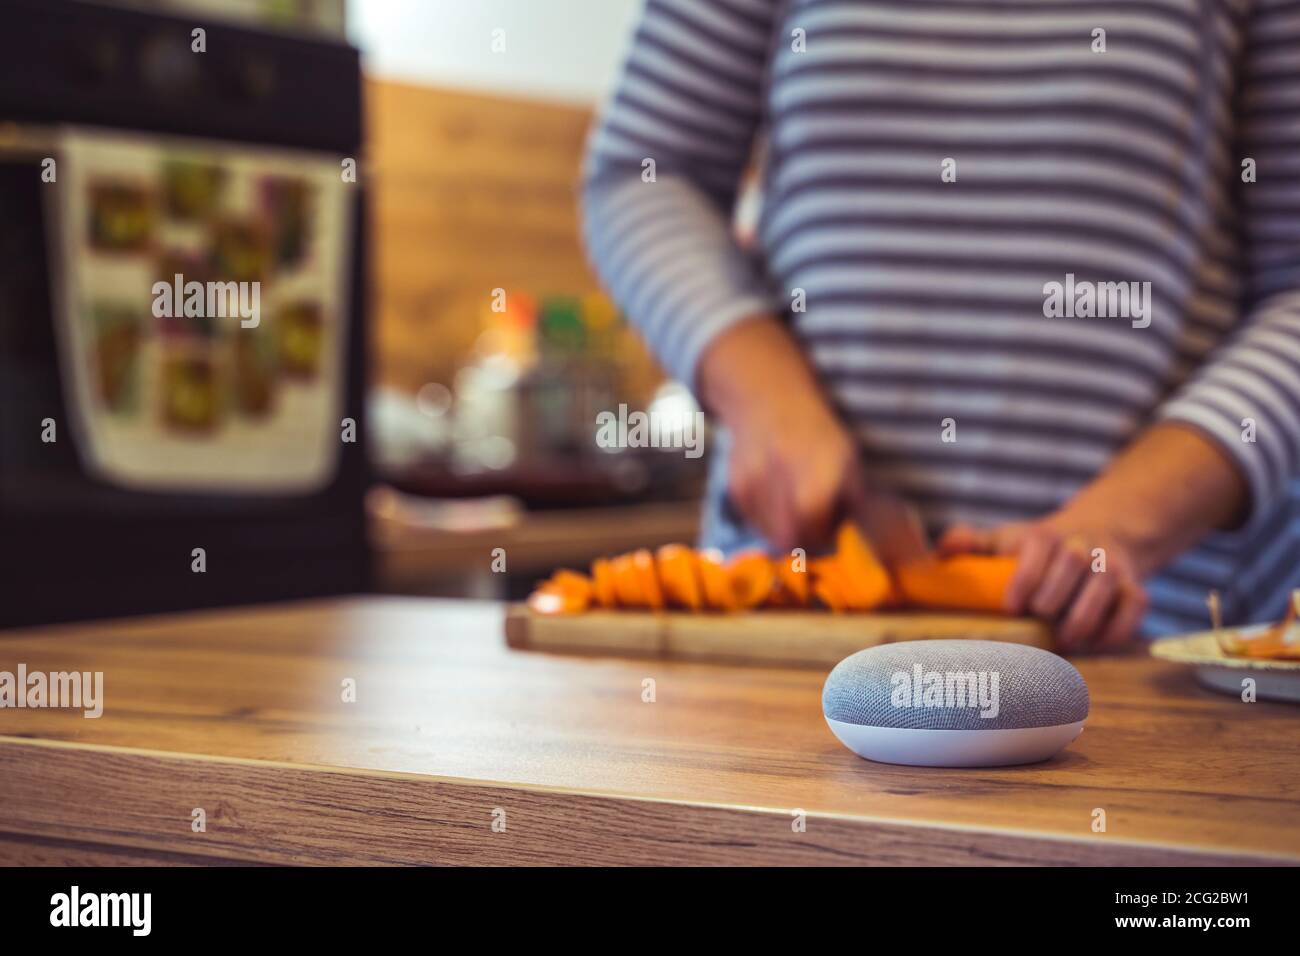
pixel 566 592
pixel 865 581
pixel 968 582
pixel 602 578
pixel 828 583
pixel 1266 648
pixel 717 582
pixel 643 563
pixel 795 588
pixel 680 576
pixel 894 599
pixel 1273 643
pixel 627 582
pixel 546 601
pixel 852 579
pixel 572 582
pixel 753 578
pixel 779 598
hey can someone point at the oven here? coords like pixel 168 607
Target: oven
pixel 182 301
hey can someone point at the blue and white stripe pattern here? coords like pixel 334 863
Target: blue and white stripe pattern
pixel 924 298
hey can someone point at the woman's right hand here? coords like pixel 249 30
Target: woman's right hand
pixel 793 465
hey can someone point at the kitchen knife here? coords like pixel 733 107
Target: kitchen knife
pixel 890 524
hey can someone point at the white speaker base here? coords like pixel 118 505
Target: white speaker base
pixel 955 748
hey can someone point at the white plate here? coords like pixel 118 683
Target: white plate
pixel 1274 680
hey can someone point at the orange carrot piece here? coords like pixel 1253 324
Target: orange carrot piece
pixel 795 587
pixel 546 601
pixel 643 563
pixel 571 582
pixel 865 581
pixel 1266 648
pixel 1272 644
pixel 567 592
pixel 680 577
pixel 828 583
pixel 752 577
pixel 627 582
pixel 718 593
pixel 967 582
pixel 894 599
pixel 602 578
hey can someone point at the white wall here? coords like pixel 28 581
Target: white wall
pixel 555 49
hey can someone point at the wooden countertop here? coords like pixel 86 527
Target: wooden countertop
pixel 240 713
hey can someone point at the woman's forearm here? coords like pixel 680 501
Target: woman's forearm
pixel 1159 496
pixel 755 374
pixel 1164 492
pixel 792 461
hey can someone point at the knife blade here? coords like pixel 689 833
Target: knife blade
pixel 891 525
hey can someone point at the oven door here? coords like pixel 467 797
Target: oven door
pixel 201 301
pixel 102 521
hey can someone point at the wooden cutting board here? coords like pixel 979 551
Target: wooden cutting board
pixel 786 638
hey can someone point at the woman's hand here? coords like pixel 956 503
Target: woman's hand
pixel 790 478
pixel 1082 567
pixel 793 464
pixel 1071 571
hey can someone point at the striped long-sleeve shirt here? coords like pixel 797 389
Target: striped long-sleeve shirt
pixel 932 167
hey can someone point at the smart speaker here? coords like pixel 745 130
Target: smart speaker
pixel 955 703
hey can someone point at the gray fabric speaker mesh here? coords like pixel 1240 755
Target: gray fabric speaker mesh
pixel 1035 688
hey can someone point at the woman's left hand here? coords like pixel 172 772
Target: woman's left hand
pixel 1082 567
pixel 1071 570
